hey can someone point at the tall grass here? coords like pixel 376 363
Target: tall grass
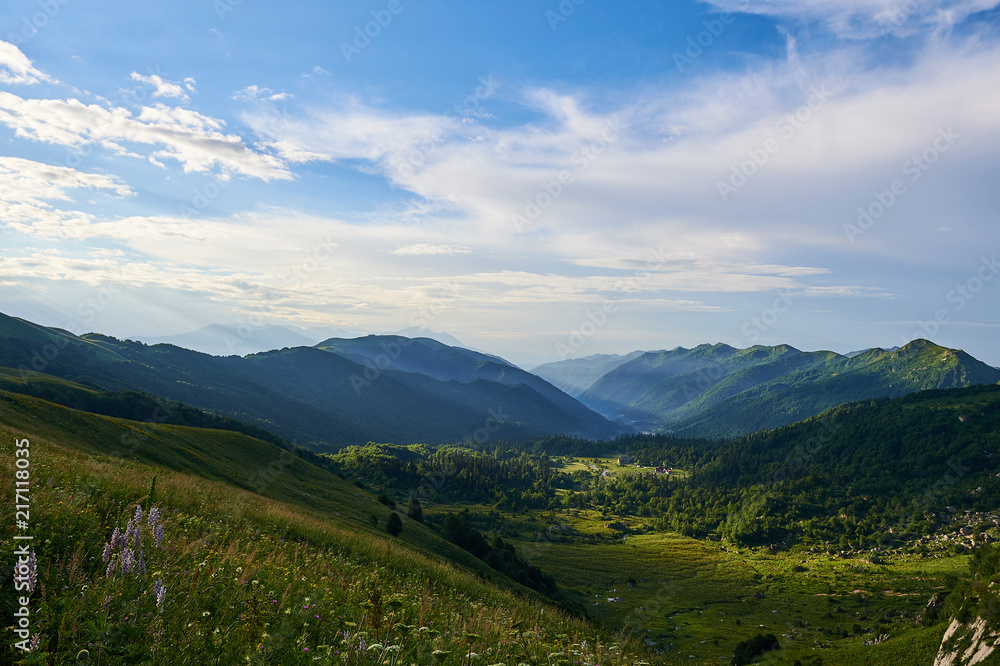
pixel 239 578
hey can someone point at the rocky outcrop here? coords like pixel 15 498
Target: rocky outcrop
pixel 966 644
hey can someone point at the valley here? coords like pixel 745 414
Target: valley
pixel 853 536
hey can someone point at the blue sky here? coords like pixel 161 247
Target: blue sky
pixel 539 179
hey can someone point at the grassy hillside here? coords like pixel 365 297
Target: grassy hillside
pixel 295 574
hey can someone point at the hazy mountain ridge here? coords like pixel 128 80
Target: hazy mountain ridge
pixel 244 338
pixel 576 377
pixel 717 390
pixel 307 394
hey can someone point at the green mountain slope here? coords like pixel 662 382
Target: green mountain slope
pixel 303 394
pixel 716 390
pixel 264 559
pixel 849 474
pixel 424 356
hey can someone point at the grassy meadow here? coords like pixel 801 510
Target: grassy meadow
pixel 302 577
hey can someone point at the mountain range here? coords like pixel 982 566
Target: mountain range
pixel 392 388
pixel 246 338
pixel 320 396
pixel 720 391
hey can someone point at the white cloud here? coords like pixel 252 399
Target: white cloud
pixel 192 139
pixel 27 189
pixel 15 67
pixel 427 248
pixel 353 131
pixel 863 19
pixel 163 88
pixel 255 92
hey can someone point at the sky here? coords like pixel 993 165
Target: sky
pixel 542 180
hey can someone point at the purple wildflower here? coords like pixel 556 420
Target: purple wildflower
pixel 135 530
pixel 159 592
pixel 141 563
pixel 32 572
pixel 112 565
pixel 35 640
pixel 154 517
pixel 128 561
pixel 106 555
pixel 158 535
pixel 138 514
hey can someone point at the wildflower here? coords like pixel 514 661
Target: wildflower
pixel 158 535
pixel 141 564
pixel 138 514
pixel 106 555
pixel 28 571
pixel 127 561
pixel 35 640
pixel 154 517
pixel 160 593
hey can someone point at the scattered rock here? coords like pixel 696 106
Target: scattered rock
pixel 930 611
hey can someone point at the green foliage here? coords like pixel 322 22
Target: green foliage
pixel 748 650
pixel 415 511
pixel 393 524
pixel 503 477
pixel 498 555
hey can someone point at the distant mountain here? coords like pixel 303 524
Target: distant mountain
pixel 307 394
pixel 718 390
pixel 243 339
pixel 862 351
pixel 576 375
pixel 235 339
pixel 431 358
pixel 416 332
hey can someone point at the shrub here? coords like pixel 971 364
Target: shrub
pixel 747 650
pixel 394 525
